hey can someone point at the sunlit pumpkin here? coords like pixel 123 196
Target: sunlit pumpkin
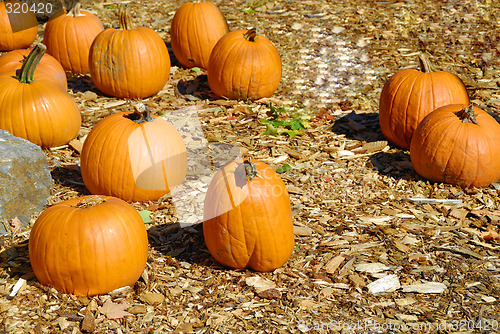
pixel 18 28
pixel 247 217
pixel 133 156
pixel 88 245
pixel 195 29
pixel 457 144
pixel 411 94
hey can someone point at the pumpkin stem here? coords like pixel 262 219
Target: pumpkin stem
pixel 250 35
pixel 75 11
pixel 90 202
pixel 425 64
pixel 141 113
pixel 124 18
pixel 467 115
pixel 29 64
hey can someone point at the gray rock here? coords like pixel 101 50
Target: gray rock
pixel 25 180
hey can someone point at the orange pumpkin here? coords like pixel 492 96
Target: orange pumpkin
pixel 247 217
pixel 48 68
pixel 457 144
pixel 68 37
pixel 129 62
pixel 133 156
pixel 18 27
pixel 410 95
pixel 88 245
pixel 195 29
pixel 38 110
pixel 244 65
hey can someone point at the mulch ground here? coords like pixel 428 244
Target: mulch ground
pixel 364 220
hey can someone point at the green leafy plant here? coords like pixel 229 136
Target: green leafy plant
pixel 277 125
pixel 284 168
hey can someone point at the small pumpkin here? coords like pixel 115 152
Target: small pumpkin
pixel 247 217
pixel 133 156
pixel 39 110
pixel 88 245
pixel 48 68
pixel 457 144
pixel 195 29
pixel 68 36
pixel 411 94
pixel 129 62
pixel 18 28
pixel 244 65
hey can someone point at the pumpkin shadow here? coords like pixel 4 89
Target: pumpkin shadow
pixel 81 84
pixel 395 164
pixel 359 126
pixel 70 178
pixel 15 262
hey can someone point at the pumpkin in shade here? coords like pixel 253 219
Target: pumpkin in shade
pixel 133 156
pixel 411 94
pixel 18 28
pixel 68 36
pixel 88 245
pixel 457 144
pixel 244 65
pixel 39 110
pixel 129 62
pixel 195 29
pixel 247 218
pixel 48 68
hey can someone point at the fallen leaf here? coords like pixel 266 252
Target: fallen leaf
pixel 490 235
pixel 114 311
pixel 259 283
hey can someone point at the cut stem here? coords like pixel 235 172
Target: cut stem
pixel 467 115
pixel 141 113
pixel 75 11
pixel 250 35
pixel 250 168
pixel 425 64
pixel 124 18
pixel 29 64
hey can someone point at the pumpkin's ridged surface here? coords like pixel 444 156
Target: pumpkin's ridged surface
pixel 88 251
pixel 444 149
pixel 17 29
pixel 243 69
pixel 249 225
pixel 409 95
pixel 195 29
pixel 116 161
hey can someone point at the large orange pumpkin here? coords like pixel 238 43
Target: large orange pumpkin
pixel 39 110
pixel 247 217
pixel 195 29
pixel 48 68
pixel 88 245
pixel 457 144
pixel 18 27
pixel 244 65
pixel 129 62
pixel 133 156
pixel 409 95
pixel 68 37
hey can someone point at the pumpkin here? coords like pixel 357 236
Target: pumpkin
pixel 133 156
pixel 247 218
pixel 410 94
pixel 129 62
pixel 68 37
pixel 18 28
pixel 244 65
pixel 48 68
pixel 39 110
pixel 457 144
pixel 88 245
pixel 195 29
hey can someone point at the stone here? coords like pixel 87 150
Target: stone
pixel 25 180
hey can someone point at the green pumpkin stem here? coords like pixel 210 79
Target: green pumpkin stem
pixel 141 113
pixel 467 115
pixel 29 64
pixel 425 64
pixel 250 35
pixel 124 18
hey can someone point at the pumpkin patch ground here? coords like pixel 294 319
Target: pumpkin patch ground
pixel 376 245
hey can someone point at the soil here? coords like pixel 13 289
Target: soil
pixel 363 219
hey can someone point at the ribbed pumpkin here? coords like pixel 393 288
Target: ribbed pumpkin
pixel 18 29
pixel 247 217
pixel 48 68
pixel 195 29
pixel 244 65
pixel 411 94
pixel 88 245
pixel 457 144
pixel 133 156
pixel 38 110
pixel 68 36
pixel 129 62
